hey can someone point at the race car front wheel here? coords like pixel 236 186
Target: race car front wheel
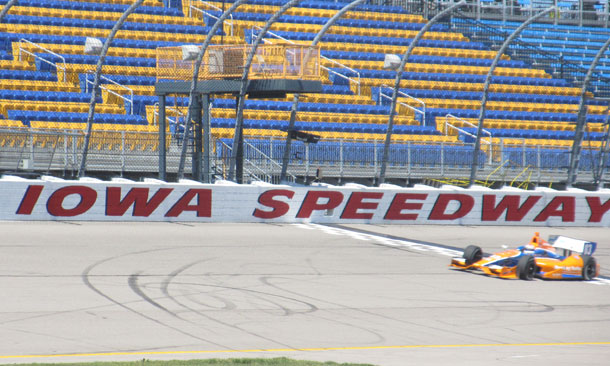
pixel 526 267
pixel 472 254
pixel 589 267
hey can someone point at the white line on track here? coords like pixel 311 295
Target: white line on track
pixel 378 239
pixel 402 243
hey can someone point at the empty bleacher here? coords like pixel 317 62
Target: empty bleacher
pixel 45 77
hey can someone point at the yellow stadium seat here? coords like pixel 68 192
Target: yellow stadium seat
pixel 109 134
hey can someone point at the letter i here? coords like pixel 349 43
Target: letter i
pixel 29 200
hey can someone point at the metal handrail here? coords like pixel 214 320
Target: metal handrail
pixel 540 58
pixel 269 159
pixel 573 14
pixel 340 160
pixel 44 132
pixel 357 81
pixel 250 174
pixel 156 114
pixel 130 100
pixel 193 7
pixel 423 113
pixel 268 177
pixel 344 67
pixel 63 59
pixel 447 124
pixel 401 93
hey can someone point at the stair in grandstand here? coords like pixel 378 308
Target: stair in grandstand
pixel 561 50
pixel 527 108
pixel 259 165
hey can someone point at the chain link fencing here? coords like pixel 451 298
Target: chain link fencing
pixel 58 152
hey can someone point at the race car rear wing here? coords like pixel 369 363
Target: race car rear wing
pixel 573 245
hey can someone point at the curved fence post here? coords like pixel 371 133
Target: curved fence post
pixel 6 8
pixel 295 101
pixel 237 137
pixel 96 81
pixel 604 151
pixel 399 71
pixel 496 60
pixel 582 118
pixel 198 62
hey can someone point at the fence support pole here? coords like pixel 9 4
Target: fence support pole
pixel 399 71
pixel 581 119
pixel 206 137
pixel 239 122
pixel 96 82
pixel 162 150
pixel 604 151
pixel 196 68
pixel 198 137
pixel 295 101
pixel 496 60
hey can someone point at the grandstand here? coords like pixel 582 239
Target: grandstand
pixel 46 79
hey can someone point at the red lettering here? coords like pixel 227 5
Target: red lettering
pixel 278 208
pixel 356 203
pixel 29 200
pixel 399 203
pixel 442 202
pixel 508 204
pixel 138 197
pixel 87 199
pixel 597 209
pixel 203 206
pixel 559 206
pixel 310 203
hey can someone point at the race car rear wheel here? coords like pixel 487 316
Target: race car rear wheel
pixel 589 268
pixel 526 267
pixel 472 254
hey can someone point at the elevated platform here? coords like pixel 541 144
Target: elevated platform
pixel 273 72
pixel 227 62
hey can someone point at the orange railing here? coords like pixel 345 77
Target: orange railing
pixel 271 61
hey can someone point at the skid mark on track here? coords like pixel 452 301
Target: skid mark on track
pixel 87 279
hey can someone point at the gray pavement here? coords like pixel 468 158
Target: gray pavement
pixel 76 292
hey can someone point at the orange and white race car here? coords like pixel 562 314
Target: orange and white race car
pixel 558 258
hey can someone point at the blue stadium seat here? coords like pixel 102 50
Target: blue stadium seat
pixel 27 116
pixel 92 6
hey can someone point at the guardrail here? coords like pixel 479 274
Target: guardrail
pixel 555 64
pixel 167 118
pixel 255 176
pixel 267 160
pixel 260 166
pixel 272 61
pixel 422 111
pixel 63 59
pixel 327 69
pixel 573 12
pixel 129 90
pixel 133 152
pixel 447 126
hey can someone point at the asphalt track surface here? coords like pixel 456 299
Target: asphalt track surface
pixel 78 292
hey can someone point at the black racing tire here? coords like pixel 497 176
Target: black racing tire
pixel 526 268
pixel 472 254
pixel 589 268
